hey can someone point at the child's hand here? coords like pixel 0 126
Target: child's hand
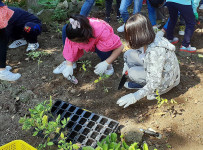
pixel 68 71
pixel 101 67
pixel 128 99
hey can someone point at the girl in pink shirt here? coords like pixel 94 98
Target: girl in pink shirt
pixel 90 35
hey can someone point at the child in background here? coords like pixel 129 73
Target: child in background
pixel 90 35
pixel 108 4
pixel 151 63
pixel 188 10
pixel 24 28
pixel 5 74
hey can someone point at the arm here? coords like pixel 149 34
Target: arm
pixel 114 54
pixel 195 4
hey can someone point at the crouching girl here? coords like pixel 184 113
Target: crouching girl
pixel 90 35
pixel 151 63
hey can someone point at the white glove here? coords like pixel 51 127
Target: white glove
pixel 68 71
pixel 125 68
pixel 128 99
pixel 160 33
pixel 101 67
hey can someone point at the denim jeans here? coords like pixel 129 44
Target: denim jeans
pixel 108 4
pixel 124 8
pixel 86 7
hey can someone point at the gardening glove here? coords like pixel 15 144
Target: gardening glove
pixel 196 16
pixel 101 67
pixel 128 99
pixel 68 71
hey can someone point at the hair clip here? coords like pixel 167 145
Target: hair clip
pixel 75 24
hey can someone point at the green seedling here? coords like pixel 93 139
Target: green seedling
pixel 38 121
pixel 102 78
pixel 37 56
pixel 85 64
pixel 161 101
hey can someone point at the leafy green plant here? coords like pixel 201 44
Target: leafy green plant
pixel 59 15
pixel 102 78
pixel 161 101
pixel 85 64
pixel 48 3
pixel 40 123
pixel 100 3
pixel 111 142
pixel 37 55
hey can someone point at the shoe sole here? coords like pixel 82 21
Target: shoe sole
pixel 183 50
pixel 175 42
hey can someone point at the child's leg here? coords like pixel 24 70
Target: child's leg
pixel 118 3
pixel 137 74
pixel 86 7
pixel 151 13
pixel 103 55
pixel 173 12
pixel 137 6
pixel 108 4
pixel 3 48
pixel 124 9
pixel 189 17
pixel 64 34
pixel 31 31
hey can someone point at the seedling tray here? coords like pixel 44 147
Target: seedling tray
pixel 84 127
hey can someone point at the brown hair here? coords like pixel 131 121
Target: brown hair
pixel 139 31
pixel 82 34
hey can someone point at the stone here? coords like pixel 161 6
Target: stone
pixel 132 134
pixel 46 15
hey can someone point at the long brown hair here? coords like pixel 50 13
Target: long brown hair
pixel 139 31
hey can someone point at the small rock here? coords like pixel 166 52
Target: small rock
pixel 72 91
pixel 44 77
pixel 26 59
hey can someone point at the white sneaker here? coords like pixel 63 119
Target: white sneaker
pixel 109 71
pixel 121 28
pixel 8 68
pixel 9 76
pixel 201 7
pixel 62 66
pixel 32 47
pixel 18 43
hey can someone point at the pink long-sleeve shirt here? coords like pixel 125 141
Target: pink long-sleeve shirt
pixel 105 40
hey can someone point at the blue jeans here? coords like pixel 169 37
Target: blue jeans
pixel 102 55
pixel 201 2
pixel 187 13
pixel 124 8
pixel 86 7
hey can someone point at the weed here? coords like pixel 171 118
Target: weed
pixel 102 78
pixel 59 15
pixel 85 64
pixel 161 101
pixel 37 55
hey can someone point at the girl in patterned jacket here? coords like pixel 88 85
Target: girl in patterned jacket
pixel 90 35
pixel 151 63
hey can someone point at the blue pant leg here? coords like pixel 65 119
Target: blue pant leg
pixel 103 55
pixel 186 12
pixel 173 12
pixel 124 9
pixel 86 7
pixel 31 31
pixel 137 6
pixel 151 13
pixel 64 34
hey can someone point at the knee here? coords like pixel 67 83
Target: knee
pixel 123 10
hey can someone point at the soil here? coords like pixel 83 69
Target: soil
pixel 180 124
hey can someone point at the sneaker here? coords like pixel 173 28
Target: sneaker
pixel 32 47
pixel 18 43
pixel 174 41
pixel 8 68
pixel 9 76
pixel 62 66
pixel 107 19
pixel 201 7
pixel 181 30
pixel 132 85
pixel 109 71
pixel 188 49
pixel 121 28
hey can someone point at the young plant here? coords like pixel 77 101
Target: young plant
pixel 37 55
pixel 111 142
pixel 39 122
pixel 161 101
pixel 102 78
pixel 85 64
